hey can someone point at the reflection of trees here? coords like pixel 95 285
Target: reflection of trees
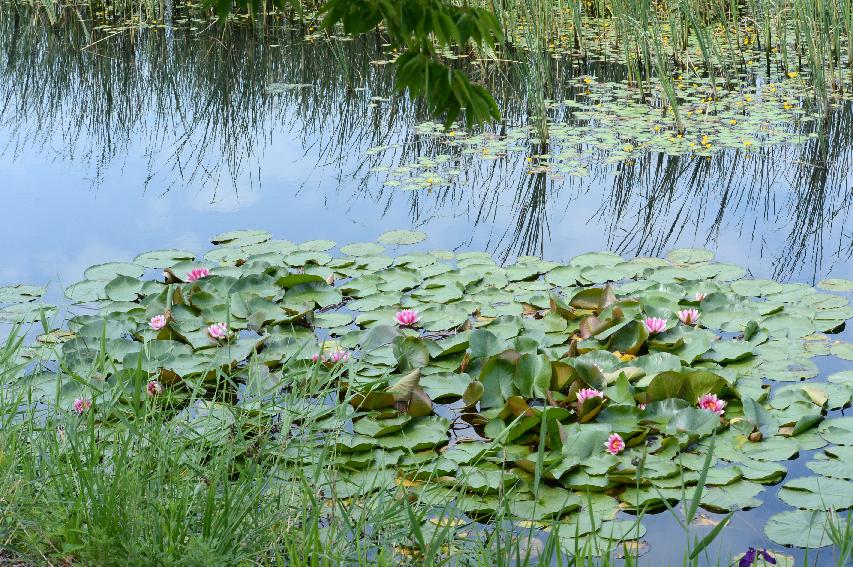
pixel 195 104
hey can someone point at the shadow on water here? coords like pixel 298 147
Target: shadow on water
pixel 191 102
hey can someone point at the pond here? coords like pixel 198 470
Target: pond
pixel 143 139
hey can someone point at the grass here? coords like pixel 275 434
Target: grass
pixel 142 493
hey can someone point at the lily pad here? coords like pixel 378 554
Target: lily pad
pixel 402 237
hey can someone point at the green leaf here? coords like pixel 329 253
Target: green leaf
pixel 800 528
pixel 818 493
pixel 402 237
pixel 497 377
pixel 533 375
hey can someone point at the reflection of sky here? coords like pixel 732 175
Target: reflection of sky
pixel 58 224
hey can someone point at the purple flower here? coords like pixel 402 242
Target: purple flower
pixel 748 559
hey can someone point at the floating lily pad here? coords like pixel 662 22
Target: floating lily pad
pixel 836 284
pixel 163 258
pixel 690 255
pixel 20 293
pixel 800 528
pixel 402 237
pixel 241 237
pixel 362 249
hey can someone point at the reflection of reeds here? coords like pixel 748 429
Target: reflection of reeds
pixel 199 107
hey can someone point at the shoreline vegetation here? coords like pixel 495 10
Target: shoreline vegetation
pixel 308 404
pixel 660 43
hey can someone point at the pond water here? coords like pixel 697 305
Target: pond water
pixel 160 138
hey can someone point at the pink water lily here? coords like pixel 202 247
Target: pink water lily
pixel 197 273
pixel 407 317
pixel 333 358
pixel 81 405
pixel 157 322
pixel 339 356
pixel 654 325
pixel 688 316
pixel 614 444
pixel 587 393
pixel 700 296
pixel 154 388
pixel 218 331
pixel 712 403
pixel 641 406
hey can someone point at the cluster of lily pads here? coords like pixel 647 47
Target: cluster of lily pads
pixel 559 393
pixel 607 123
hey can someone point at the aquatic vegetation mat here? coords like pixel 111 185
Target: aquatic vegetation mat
pixel 608 123
pixel 559 395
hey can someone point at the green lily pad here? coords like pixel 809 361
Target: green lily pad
pixel 690 256
pixel 163 258
pixel 836 284
pixel 402 237
pixel 799 528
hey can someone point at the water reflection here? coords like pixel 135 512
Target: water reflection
pixel 187 111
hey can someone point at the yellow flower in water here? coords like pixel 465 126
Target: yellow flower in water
pixel 704 139
pixel 747 143
pixel 628 147
pixel 732 121
pixel 793 74
pixel 451 133
pixel 747 98
pixel 530 159
pixel 587 80
pixel 657 128
pixel 787 106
